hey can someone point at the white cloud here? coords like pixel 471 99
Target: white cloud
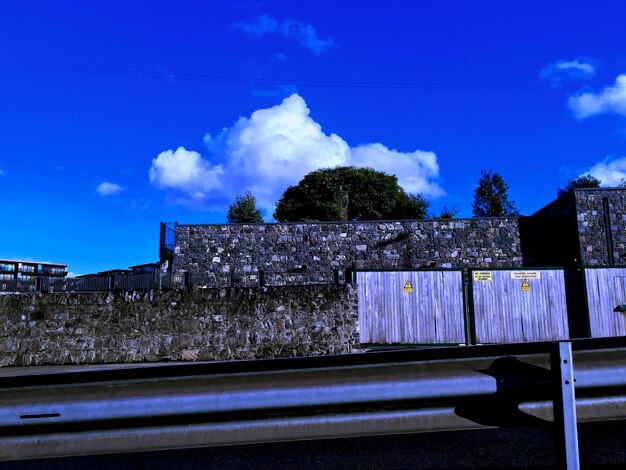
pixel 414 169
pixel 304 33
pixel 1 172
pixel 576 65
pixel 563 70
pixel 108 189
pixel 610 100
pixel 185 170
pixel 611 171
pixel 275 148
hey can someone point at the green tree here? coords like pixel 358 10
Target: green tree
pixel 585 181
pixel 414 206
pixel 491 198
pixel 244 210
pixel 348 193
pixel 448 212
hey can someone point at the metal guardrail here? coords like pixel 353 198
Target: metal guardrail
pixel 178 406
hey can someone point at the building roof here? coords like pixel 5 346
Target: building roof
pixel 146 265
pixel 43 263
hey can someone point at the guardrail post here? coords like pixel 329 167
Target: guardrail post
pixel 564 406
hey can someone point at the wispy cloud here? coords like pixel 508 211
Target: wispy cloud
pixel 576 66
pixel 610 100
pixel 304 33
pixel 273 149
pixel 109 189
pixel 568 70
pixel 1 172
pixel 611 171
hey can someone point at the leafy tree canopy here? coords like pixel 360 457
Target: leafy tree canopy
pixel 585 181
pixel 491 198
pixel 448 212
pixel 348 193
pixel 244 210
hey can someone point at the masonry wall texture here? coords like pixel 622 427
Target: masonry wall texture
pixel 592 233
pixel 203 324
pixel 214 254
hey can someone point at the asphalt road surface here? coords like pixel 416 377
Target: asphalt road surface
pixel 602 445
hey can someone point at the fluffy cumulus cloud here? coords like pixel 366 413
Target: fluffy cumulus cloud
pixel 275 148
pixel 611 171
pixel 109 189
pixel 304 33
pixel 562 70
pixel 610 100
pixel 415 170
pixel 185 170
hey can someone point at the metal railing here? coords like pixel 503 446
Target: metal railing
pixel 21 285
pixel 123 282
pixel 167 240
pixel 244 402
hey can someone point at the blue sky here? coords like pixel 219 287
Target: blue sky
pixel 118 115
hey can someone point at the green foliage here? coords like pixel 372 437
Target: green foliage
pixel 491 198
pixel 411 206
pixel 244 210
pixel 585 181
pixel 348 193
pixel 448 213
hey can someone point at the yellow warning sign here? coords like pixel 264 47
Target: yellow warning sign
pixel 483 276
pixel 408 288
pixel 525 286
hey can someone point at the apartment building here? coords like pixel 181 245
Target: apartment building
pixel 19 270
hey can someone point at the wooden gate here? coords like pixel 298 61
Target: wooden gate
pixel 606 292
pixel 411 307
pixel 512 306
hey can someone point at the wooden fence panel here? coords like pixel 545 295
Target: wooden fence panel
pixel 411 307
pixel 512 306
pixel 606 289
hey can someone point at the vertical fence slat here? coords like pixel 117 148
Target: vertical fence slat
pixel 508 312
pixel 429 311
pixel 606 291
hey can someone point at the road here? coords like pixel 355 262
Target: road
pixel 601 445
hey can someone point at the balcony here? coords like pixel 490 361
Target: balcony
pixel 7 268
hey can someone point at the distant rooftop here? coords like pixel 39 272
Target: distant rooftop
pixel 46 263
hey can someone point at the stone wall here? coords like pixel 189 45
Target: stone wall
pixel 203 324
pixel 591 225
pixel 213 254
